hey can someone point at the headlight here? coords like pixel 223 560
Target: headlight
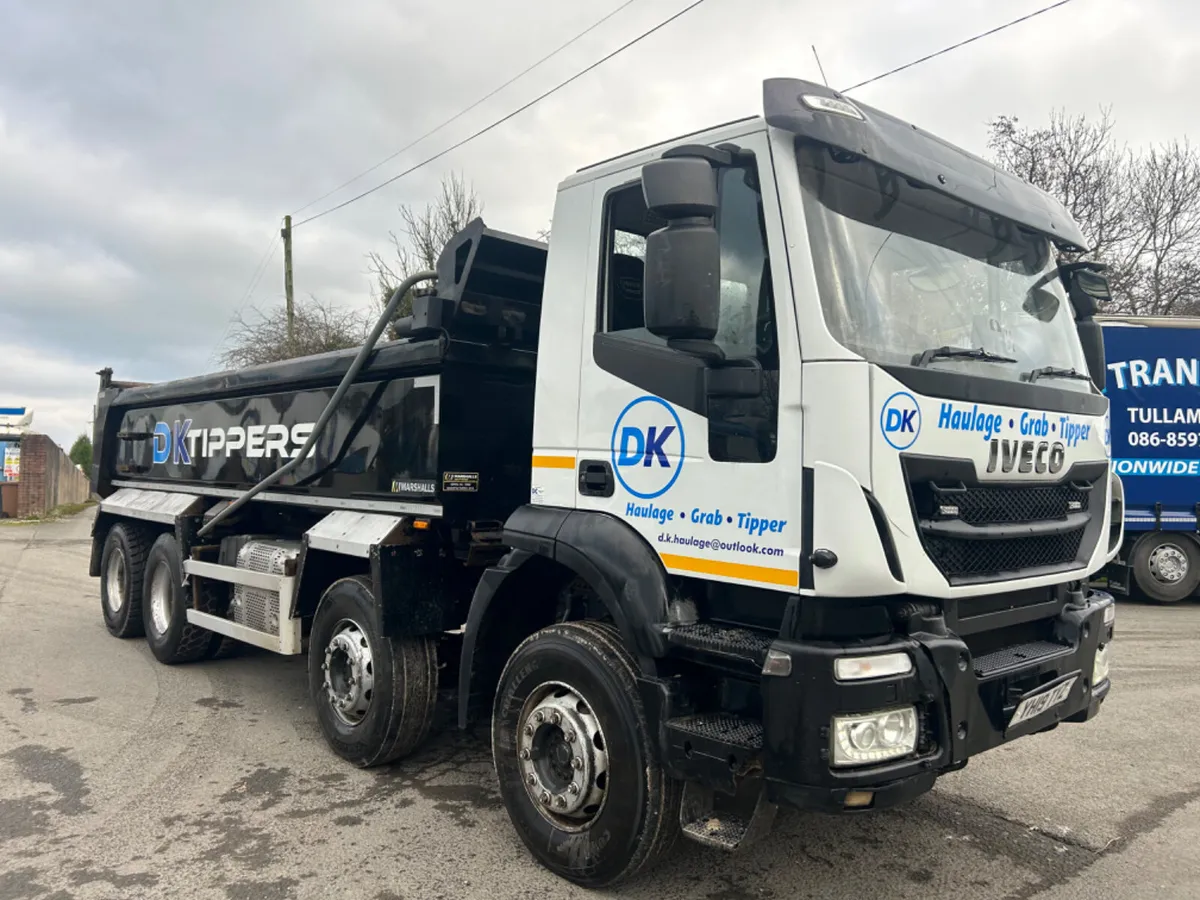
pixel 1100 666
pixel 881 665
pixel 874 737
pixel 1110 614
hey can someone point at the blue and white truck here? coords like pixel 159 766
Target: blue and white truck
pixel 1153 388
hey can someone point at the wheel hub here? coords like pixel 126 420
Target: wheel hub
pixel 349 671
pixel 562 754
pixel 114 582
pixel 1168 564
pixel 160 598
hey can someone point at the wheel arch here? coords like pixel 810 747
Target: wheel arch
pixel 317 571
pixel 155 511
pixel 620 576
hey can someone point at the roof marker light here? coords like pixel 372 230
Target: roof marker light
pixel 834 105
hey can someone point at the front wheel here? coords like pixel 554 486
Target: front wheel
pixel 575 757
pixel 1166 566
pixel 375 695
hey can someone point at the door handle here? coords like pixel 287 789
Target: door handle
pixel 595 478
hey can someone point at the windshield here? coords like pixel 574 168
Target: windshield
pixel 903 269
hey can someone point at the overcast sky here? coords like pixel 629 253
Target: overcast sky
pixel 149 149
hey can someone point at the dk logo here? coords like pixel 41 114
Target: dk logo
pixel 168 443
pixel 647 447
pixel 900 420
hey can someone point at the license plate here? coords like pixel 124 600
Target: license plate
pixel 1041 702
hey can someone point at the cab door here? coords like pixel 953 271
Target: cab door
pixel 712 482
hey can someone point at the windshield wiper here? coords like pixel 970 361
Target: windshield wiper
pixel 1055 372
pixel 925 357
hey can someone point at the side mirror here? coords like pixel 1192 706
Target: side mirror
pixel 1092 339
pixel 682 287
pixel 1087 287
pixel 1042 304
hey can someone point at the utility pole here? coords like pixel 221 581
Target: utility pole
pixel 286 234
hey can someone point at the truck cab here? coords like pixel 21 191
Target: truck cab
pixel 776 478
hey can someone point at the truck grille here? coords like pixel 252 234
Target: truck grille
pixel 987 543
pixel 974 558
pixel 1006 505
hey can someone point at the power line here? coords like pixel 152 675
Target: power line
pixel 251 286
pixel 917 62
pixel 505 118
pixel 458 115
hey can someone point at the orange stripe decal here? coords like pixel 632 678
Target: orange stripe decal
pixel 553 462
pixel 766 574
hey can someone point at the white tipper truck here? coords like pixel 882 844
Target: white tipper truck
pixel 775 479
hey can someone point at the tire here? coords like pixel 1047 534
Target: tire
pixel 585 666
pixel 222 647
pixel 164 608
pixel 389 716
pixel 1166 566
pixel 122 566
pixel 213 597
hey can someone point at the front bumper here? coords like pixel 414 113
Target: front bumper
pixel 964 704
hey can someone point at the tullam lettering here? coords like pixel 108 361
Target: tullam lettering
pixel 1158 415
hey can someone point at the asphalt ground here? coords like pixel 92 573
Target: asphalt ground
pixel 120 777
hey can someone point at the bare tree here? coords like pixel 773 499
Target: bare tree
pixel 423 235
pixel 1140 211
pixel 1167 203
pixel 262 337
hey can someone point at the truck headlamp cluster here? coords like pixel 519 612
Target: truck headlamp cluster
pixel 874 737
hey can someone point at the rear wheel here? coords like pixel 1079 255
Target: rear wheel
pixel 171 637
pixel 213 597
pixel 122 566
pixel 575 757
pixel 1166 566
pixel 222 647
pixel 375 695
